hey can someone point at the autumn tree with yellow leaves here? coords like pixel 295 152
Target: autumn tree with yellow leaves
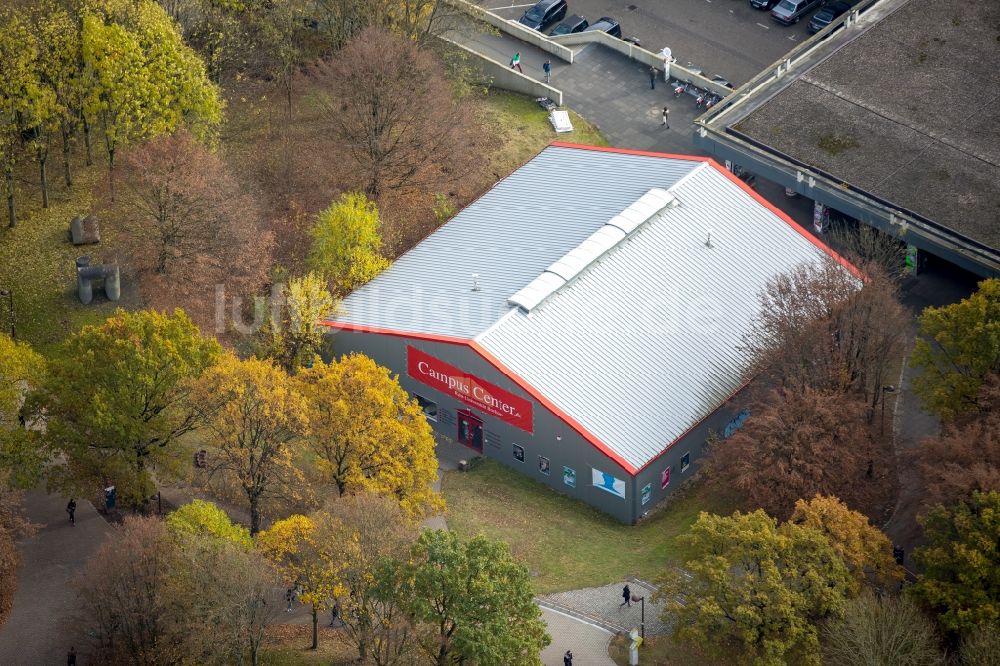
pixel 865 549
pixel 368 435
pixel 304 549
pixel 256 418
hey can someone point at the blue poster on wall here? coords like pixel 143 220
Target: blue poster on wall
pixel 605 481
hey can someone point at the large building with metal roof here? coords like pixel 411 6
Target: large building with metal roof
pixel 890 116
pixel 581 322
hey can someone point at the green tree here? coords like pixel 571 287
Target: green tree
pixel 346 243
pixel 20 90
pixel 21 370
pixel 754 591
pixel 61 70
pixel 475 600
pixel 958 345
pixel 256 417
pixel 118 395
pixel 881 631
pixel 147 81
pixel 303 548
pixel 961 563
pixel 368 435
pixel 295 337
pixel 199 517
pixel 866 551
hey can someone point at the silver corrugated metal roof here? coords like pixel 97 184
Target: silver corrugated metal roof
pixel 645 342
pixel 639 342
pixel 508 236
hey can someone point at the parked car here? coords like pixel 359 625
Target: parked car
pixel 574 23
pixel 826 16
pixel 608 25
pixel 544 13
pixel 791 11
pixel 763 4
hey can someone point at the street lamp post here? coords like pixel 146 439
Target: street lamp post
pixel 885 389
pixel 9 293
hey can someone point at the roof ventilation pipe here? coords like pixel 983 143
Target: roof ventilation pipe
pixel 708 243
pixel 475 282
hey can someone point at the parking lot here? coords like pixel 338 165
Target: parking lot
pixel 726 37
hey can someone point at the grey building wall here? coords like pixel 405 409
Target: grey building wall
pixel 551 437
pixel 693 445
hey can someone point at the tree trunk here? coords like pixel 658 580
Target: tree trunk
pixel 11 208
pixel 43 177
pixel 315 629
pixel 65 151
pixel 86 141
pixel 111 172
pixel 254 516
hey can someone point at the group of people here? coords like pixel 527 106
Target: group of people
pixel 515 63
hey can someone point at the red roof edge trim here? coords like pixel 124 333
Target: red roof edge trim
pixel 510 374
pixel 431 337
pixel 789 221
pixel 566 418
pixel 694 425
pixel 628 151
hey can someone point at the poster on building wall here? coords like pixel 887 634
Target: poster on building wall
pixel 543 465
pixel 608 483
pixel 518 453
pixel 665 478
pixel 470 389
pixel 569 477
pixel 647 492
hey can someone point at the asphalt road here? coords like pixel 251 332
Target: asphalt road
pixel 725 37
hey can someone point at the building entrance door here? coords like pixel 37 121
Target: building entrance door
pixel 470 430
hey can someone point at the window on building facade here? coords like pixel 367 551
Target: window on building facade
pixel 519 453
pixel 569 477
pixel 685 462
pixel 429 406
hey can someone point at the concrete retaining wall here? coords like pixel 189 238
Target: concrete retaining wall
pixel 515 29
pixel 642 55
pixel 504 77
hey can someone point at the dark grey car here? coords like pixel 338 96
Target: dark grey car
pixel 544 13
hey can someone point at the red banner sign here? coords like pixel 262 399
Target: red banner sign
pixel 469 389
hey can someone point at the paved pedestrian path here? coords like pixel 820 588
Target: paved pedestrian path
pixel 602 607
pixel 588 643
pixel 42 625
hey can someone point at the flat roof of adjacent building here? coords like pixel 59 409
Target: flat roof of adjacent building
pixel 903 105
pixel 615 285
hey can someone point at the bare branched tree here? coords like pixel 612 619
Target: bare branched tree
pixel 822 327
pixel 389 103
pixel 188 226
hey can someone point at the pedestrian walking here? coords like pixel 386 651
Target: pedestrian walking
pixel 627 595
pixel 288 598
pixel 652 78
pixel 547 68
pixel 515 62
pixel 71 510
pixel 568 658
pixel 666 117
pixel 71 657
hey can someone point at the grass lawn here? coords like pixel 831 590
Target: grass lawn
pixel 565 543
pixel 288 646
pixel 523 129
pixel 36 259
